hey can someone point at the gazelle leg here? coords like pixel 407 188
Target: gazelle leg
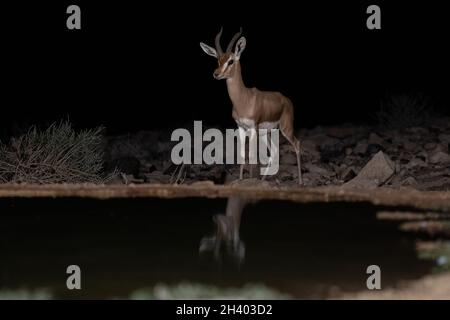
pixel 242 135
pixel 266 137
pixel 296 145
pixel 252 151
pixel 273 153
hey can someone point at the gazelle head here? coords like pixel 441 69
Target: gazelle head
pixel 227 60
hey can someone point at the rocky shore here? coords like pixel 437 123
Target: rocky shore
pixel 347 155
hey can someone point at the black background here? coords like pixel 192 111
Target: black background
pixel 138 65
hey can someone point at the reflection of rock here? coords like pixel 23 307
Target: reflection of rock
pixel 377 171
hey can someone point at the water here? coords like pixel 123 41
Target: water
pixel 300 251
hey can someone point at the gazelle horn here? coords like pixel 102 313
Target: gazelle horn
pixel 233 40
pixel 218 47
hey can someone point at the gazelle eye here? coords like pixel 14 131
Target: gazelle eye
pixel 230 62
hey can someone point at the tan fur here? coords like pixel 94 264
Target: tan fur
pixel 262 106
pixel 258 106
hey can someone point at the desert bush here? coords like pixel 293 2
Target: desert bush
pixel 404 110
pixel 55 155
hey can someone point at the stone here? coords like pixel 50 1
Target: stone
pixel 361 148
pixel 375 139
pixel 409 181
pixel 415 162
pixel 429 146
pixel 409 146
pixel 348 174
pixel 444 138
pixel 348 151
pixel 374 148
pixel 157 177
pixel 316 169
pixel 439 157
pixel 288 158
pixel 376 172
pixel 309 148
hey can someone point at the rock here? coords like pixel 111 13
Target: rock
pixel 348 151
pixel 316 169
pixel 157 177
pixel 429 146
pixel 332 152
pixel 409 181
pixel 409 146
pixel 309 149
pixel 288 158
pixel 422 155
pixel 312 179
pixel 361 148
pixel 348 174
pixel 444 138
pixel 374 148
pixel 319 139
pixel 376 172
pixel 439 157
pixel 415 162
pixel 375 139
pixel 418 131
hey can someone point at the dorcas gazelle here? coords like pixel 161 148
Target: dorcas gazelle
pixel 252 108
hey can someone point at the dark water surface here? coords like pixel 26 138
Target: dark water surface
pixel 305 251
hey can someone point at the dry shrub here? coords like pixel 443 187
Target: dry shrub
pixel 55 155
pixel 404 110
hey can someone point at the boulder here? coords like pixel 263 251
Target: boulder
pixel 376 172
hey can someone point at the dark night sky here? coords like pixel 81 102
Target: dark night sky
pixel 136 66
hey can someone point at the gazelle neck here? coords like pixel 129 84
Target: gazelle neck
pixel 236 87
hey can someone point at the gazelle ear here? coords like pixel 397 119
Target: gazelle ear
pixel 240 46
pixel 209 50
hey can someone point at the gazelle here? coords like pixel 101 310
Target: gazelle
pixel 252 108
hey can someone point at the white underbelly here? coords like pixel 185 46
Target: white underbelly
pixel 250 124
